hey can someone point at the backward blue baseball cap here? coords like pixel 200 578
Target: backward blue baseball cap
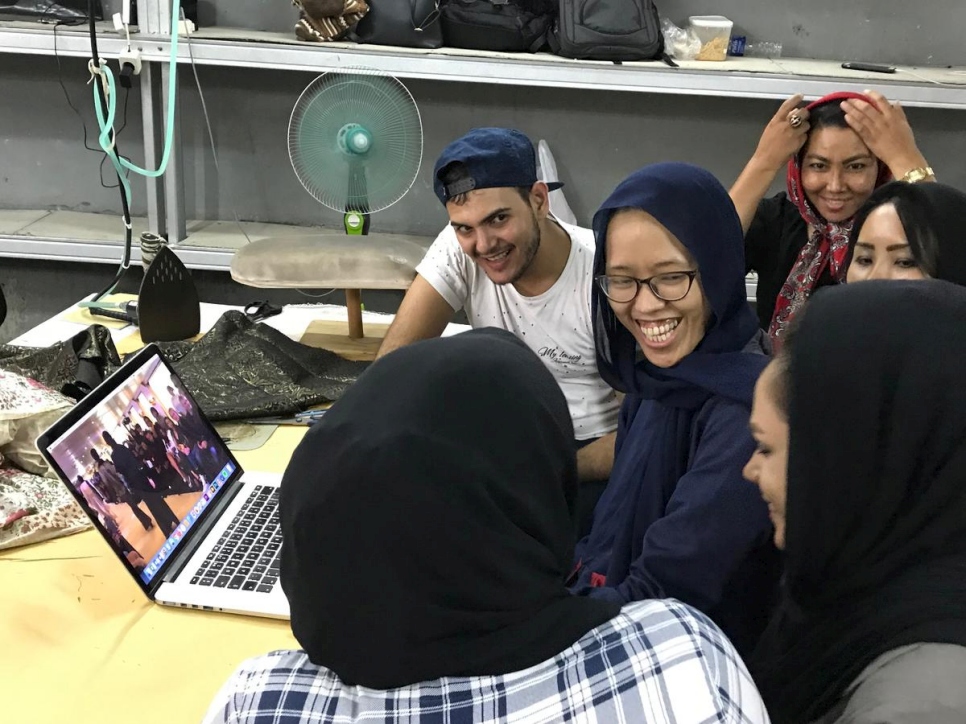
pixel 494 158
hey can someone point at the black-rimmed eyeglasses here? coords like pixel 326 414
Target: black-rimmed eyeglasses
pixel 668 287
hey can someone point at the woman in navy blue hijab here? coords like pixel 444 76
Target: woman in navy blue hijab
pixel 674 332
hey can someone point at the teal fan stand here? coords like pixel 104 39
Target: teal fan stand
pixel 355 140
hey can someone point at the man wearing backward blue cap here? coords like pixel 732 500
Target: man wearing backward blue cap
pixel 509 263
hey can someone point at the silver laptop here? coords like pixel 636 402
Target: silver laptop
pixel 168 496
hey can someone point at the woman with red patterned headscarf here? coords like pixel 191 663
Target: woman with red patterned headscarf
pixel 837 151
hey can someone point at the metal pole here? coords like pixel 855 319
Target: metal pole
pixel 174 174
pixel 149 106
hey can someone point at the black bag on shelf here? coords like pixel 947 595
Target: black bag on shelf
pixel 405 23
pixel 68 11
pixel 608 30
pixel 502 25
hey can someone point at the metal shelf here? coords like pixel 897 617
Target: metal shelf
pixel 740 77
pixel 105 252
pixel 111 252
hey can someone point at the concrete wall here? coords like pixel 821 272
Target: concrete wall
pixel 43 162
pixel 888 31
pixel 597 137
pixel 883 31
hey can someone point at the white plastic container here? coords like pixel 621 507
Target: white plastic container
pixel 714 32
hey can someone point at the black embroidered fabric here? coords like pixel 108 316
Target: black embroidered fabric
pixel 238 370
pixel 241 369
pixel 73 367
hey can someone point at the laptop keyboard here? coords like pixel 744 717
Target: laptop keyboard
pixel 246 557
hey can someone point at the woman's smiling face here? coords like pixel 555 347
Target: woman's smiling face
pixel 838 172
pixel 768 466
pixel 640 247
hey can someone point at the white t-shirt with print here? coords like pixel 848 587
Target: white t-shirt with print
pixel 556 324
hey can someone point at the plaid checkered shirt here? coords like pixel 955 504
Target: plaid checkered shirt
pixel 657 661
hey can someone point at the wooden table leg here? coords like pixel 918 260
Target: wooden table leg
pixel 353 303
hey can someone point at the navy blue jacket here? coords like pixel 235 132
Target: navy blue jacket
pixel 707 542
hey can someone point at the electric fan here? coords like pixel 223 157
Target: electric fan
pixel 355 140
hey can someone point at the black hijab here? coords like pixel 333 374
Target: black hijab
pixel 932 216
pixel 876 509
pixel 428 519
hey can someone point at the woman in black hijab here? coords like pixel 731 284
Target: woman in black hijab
pixel 872 627
pixel 428 528
pixel 909 231
pixel 437 532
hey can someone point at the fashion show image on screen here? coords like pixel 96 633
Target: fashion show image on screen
pixel 145 464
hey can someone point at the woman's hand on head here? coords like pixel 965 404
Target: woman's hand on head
pixel 781 140
pixel 883 127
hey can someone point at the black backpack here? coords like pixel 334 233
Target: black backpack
pixel 608 30
pixel 503 25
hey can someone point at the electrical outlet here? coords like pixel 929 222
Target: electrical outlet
pixel 132 57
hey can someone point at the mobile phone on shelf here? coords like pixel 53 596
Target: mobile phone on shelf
pixel 870 67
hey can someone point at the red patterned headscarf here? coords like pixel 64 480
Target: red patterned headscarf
pixel 828 242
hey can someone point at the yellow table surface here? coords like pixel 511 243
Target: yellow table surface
pixel 79 642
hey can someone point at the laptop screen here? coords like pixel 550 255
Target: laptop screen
pixel 144 462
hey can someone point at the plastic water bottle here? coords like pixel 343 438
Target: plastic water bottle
pixel 739 46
